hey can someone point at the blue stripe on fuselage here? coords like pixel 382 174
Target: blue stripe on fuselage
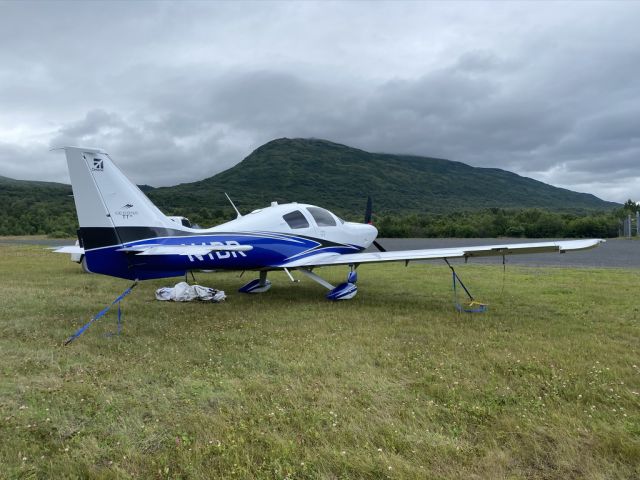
pixel 269 249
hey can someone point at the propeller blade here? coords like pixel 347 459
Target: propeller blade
pixel 379 247
pixel 367 212
pixel 368 220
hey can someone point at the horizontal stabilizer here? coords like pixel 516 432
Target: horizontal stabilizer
pixel 70 249
pixel 183 249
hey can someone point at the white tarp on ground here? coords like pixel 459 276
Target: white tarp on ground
pixel 183 292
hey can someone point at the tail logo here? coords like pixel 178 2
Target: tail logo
pixel 98 165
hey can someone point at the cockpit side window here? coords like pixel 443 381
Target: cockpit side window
pixel 296 219
pixel 322 217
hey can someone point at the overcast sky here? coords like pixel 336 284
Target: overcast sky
pixel 179 91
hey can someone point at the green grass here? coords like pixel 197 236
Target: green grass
pixel 393 384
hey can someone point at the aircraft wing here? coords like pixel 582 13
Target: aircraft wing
pixel 325 259
pixel 155 249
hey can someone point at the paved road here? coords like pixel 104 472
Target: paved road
pixel 45 242
pixel 614 253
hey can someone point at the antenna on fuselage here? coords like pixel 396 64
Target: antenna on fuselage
pixel 233 205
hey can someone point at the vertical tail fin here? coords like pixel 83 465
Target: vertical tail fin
pixel 105 197
pixel 111 211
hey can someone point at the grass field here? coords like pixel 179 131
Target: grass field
pixel 393 384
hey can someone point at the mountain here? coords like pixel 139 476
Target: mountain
pixel 320 172
pixel 30 207
pixel 340 178
pixel 26 185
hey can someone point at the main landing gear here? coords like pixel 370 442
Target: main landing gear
pixel 259 285
pixel 344 291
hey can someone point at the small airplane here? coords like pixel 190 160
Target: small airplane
pixel 123 234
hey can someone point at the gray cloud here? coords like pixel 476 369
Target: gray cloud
pixel 180 91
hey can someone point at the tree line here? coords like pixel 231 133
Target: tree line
pixel 20 217
pixel 491 223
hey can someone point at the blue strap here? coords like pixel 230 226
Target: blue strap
pixel 111 334
pixel 100 314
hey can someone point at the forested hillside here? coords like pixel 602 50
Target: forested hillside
pixel 340 178
pixel 413 196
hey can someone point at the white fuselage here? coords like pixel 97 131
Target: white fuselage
pixel 271 219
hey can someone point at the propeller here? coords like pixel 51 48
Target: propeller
pixel 367 212
pixel 367 219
